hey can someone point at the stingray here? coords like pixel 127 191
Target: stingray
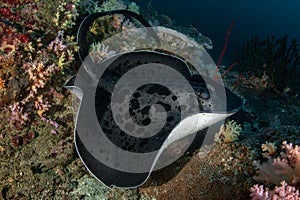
pixel 140 110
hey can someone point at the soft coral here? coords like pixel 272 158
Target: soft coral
pixel 284 170
pixel 286 167
pixel 283 192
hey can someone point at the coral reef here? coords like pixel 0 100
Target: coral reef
pixel 38 159
pixel 39 18
pixel 36 136
pixel 30 65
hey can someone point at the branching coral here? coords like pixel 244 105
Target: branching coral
pixel 229 132
pixel 99 52
pixel 43 17
pixel 29 65
pixel 105 27
pixel 18 116
pixel 41 105
pixel 47 62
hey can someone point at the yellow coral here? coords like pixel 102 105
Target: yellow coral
pixel 61 60
pixel 41 105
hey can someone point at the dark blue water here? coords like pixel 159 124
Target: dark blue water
pixel 213 18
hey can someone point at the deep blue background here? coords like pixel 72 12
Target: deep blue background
pixel 254 17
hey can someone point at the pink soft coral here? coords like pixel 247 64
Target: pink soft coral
pixel 286 167
pixel 284 170
pixel 283 192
